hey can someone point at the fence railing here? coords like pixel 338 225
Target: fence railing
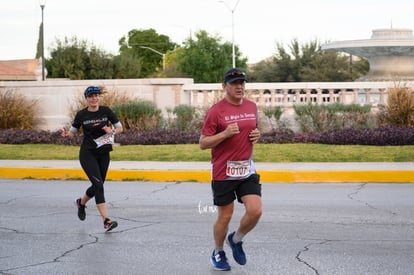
pixel 289 94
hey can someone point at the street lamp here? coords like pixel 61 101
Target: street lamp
pixel 232 28
pixel 160 53
pixel 42 6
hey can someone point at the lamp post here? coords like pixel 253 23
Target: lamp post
pixel 160 53
pixel 42 6
pixel 232 29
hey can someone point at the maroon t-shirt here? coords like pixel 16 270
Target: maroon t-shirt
pixel 237 147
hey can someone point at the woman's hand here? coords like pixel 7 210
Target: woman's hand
pixel 66 133
pixel 108 130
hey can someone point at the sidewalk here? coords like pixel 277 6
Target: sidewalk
pixel 200 171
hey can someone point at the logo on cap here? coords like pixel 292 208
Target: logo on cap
pixel 92 90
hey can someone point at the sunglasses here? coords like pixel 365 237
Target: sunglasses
pixel 93 89
pixel 236 74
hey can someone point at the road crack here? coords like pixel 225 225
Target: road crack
pixel 305 249
pixel 361 187
pixel 57 259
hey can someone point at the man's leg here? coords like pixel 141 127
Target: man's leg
pixel 221 225
pixel 253 206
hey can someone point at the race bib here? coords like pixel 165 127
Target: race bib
pixel 105 139
pixel 238 168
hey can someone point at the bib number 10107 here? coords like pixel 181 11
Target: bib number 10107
pixel 238 168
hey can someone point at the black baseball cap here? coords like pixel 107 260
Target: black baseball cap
pixel 234 74
pixel 92 90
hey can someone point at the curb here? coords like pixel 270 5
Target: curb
pixel 279 176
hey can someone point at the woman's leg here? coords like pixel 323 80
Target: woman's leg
pixel 91 164
pixel 103 162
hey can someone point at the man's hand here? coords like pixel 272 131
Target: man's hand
pixel 254 135
pixel 232 129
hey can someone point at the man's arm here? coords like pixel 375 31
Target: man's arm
pixel 208 142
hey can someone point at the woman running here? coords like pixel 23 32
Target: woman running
pixel 94 150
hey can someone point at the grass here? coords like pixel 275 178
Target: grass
pixel 262 153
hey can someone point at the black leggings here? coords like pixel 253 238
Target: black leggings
pixel 95 167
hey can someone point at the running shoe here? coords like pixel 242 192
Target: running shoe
pixel 238 253
pixel 109 224
pixel 81 210
pixel 219 261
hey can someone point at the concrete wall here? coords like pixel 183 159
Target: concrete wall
pixel 56 97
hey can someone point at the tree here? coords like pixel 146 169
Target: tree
pixel 205 58
pixel 126 66
pixel 307 63
pixel 279 68
pixel 327 66
pixel 172 63
pixel 99 65
pixel 68 59
pixel 358 68
pixel 39 43
pixel 78 59
pixel 151 61
pixel 263 71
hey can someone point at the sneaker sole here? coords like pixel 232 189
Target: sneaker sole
pixel 219 269
pixel 112 226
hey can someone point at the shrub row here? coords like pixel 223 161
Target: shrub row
pixel 26 136
pixel 386 135
pixel 158 137
pixel 131 137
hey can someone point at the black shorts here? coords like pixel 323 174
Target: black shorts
pixel 226 191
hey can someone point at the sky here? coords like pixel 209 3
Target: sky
pixel 258 25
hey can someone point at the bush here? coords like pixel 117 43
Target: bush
pixel 185 114
pixel 399 110
pixel 319 118
pixel 273 113
pixel 141 115
pixel 16 111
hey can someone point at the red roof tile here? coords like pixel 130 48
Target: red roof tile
pixel 20 69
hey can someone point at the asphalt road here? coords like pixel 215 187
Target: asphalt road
pixel 166 228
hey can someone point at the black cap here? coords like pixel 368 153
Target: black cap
pixel 92 90
pixel 234 74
